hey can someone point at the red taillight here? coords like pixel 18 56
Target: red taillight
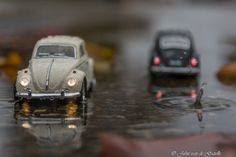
pixel 193 93
pixel 158 95
pixel 194 62
pixel 156 60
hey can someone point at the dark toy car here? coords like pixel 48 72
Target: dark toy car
pixel 174 53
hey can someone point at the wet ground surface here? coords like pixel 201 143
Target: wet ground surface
pixel 126 101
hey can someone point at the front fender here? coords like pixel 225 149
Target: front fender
pixel 21 74
pixel 79 76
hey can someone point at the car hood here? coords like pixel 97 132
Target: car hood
pixel 56 70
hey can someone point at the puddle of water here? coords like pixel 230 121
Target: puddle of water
pixel 178 112
pixel 181 105
pixel 177 117
pixel 186 118
pixel 47 127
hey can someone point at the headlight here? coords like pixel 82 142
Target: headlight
pixel 24 81
pixel 71 82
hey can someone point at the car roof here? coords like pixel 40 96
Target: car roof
pixel 61 39
pixel 178 32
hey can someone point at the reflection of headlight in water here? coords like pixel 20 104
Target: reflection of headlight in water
pixel 71 126
pixel 24 81
pixel 26 125
pixel 71 109
pixel 25 108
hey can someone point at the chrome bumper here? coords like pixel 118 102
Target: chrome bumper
pixel 30 95
pixel 175 70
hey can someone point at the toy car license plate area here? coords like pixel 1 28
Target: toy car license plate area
pixel 175 62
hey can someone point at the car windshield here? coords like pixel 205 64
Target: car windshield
pixel 55 51
pixel 180 42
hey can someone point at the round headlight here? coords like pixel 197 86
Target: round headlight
pixel 24 81
pixel 71 82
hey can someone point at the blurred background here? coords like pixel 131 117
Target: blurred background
pixel 119 35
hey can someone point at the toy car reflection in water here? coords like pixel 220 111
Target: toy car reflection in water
pixel 174 53
pixel 54 124
pixel 163 88
pixel 60 68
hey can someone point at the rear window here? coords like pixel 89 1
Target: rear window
pixel 55 51
pixel 174 42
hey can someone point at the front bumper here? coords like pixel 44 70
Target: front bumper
pixel 175 70
pixel 61 95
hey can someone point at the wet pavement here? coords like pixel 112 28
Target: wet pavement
pixel 126 100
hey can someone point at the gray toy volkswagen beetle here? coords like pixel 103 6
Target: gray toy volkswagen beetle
pixel 59 68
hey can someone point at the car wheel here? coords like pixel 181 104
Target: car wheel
pixel 83 93
pixel 14 92
pixel 83 112
pixel 152 75
pixel 93 85
pixel 17 107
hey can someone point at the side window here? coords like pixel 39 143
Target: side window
pixel 81 49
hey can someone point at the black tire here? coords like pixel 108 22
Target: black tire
pixel 83 112
pixel 83 93
pixel 153 75
pixel 17 107
pixel 14 92
pixel 88 94
pixel 91 88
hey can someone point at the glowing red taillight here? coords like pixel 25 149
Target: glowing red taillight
pixel 193 62
pixel 193 93
pixel 158 95
pixel 156 60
